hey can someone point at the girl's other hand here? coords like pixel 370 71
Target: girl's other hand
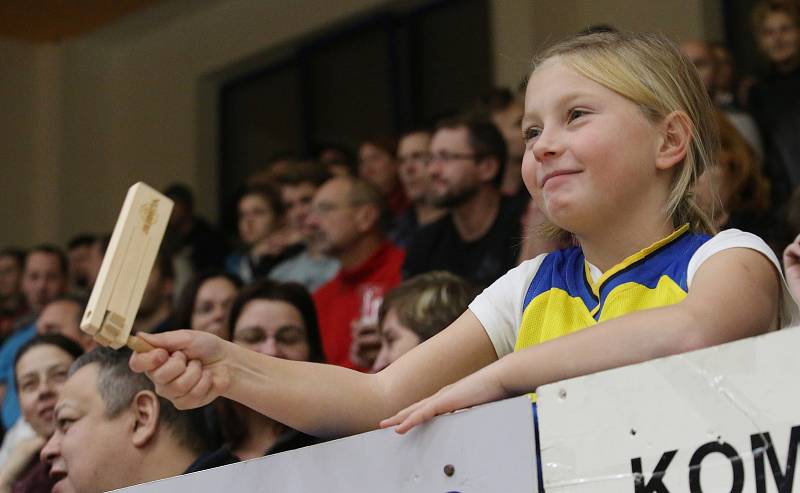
pixel 188 367
pixel 478 388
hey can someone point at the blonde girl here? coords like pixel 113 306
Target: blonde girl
pixel 617 128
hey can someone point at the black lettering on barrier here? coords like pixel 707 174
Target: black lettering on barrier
pixel 655 484
pixel 762 442
pixel 710 448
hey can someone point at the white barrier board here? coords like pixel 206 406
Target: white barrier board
pixel 697 422
pixel 490 448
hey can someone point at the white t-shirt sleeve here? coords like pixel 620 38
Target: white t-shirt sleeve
pixel 499 307
pixel 734 238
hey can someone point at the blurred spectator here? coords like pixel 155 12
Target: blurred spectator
pixel 155 311
pixel 791 266
pixel 190 240
pixel 204 304
pixel 112 430
pixel 726 78
pixel 734 192
pixel 377 166
pixel 348 220
pixel 701 55
pixel 308 267
pixel 276 166
pixel 413 151
pixel 44 279
pixel 41 369
pixel 277 320
pixel 505 111
pixel 418 309
pixel 775 97
pixel 336 158
pixel 263 234
pixel 537 237
pixel 63 316
pixel 12 302
pixel 85 256
pixel 479 238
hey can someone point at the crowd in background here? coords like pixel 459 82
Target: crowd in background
pixel 345 257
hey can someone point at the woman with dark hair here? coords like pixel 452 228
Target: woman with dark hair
pixel 277 319
pixel 263 233
pixel 205 302
pixel 42 365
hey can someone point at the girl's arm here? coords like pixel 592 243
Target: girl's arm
pixel 192 368
pixel 734 294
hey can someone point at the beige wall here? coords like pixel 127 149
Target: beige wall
pixel 136 101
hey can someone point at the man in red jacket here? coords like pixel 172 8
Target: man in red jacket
pixel 348 221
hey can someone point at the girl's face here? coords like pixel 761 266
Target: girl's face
pixel 211 306
pixel 396 340
pixel 256 219
pixel 590 153
pixel 274 328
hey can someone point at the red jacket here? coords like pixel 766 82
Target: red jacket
pixel 338 301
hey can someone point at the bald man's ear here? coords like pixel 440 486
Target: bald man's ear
pixel 367 216
pixel 146 412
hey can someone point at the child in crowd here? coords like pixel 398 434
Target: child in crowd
pixel 418 309
pixel 617 128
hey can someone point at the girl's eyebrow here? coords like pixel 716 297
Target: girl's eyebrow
pixel 563 100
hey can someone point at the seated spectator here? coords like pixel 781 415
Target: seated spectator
pixel 278 320
pixel 44 278
pixel 308 267
pixel 336 158
pixel 63 316
pixel 505 110
pixel 418 309
pixel 348 222
pixel 85 254
pixel 113 431
pixel 12 302
pixel 412 157
pixel 262 233
pixel 193 244
pixel 701 55
pixel 155 311
pixel 278 164
pixel 479 238
pixel 737 183
pixel 60 317
pixel 538 238
pixel 775 97
pixel 41 369
pixel 377 166
pixel 205 303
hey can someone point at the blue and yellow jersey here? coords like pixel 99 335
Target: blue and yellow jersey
pixel 563 297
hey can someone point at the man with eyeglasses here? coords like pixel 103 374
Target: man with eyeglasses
pixel 348 222
pixel 479 238
pixel 412 158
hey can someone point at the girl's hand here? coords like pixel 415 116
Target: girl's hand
pixel 188 367
pixel 791 266
pixel 478 388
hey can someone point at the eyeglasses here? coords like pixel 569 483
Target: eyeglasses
pixel 448 157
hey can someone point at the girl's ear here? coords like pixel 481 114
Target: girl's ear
pixel 676 137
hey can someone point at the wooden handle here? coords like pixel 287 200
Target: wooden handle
pixel 139 345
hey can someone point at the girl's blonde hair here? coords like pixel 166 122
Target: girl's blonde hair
pixel 650 71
